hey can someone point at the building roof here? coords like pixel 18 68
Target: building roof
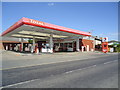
pixel 112 41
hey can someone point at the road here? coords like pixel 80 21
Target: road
pixel 99 72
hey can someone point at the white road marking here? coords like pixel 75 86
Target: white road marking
pixel 110 61
pixel 52 75
pixel 18 83
pixel 38 79
pixel 90 66
pixel 81 69
pixel 69 71
pixel 43 64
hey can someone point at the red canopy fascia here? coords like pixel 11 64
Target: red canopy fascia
pixel 37 23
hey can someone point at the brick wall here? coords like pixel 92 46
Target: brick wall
pixel 1 46
pixel 85 42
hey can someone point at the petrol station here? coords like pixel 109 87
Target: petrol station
pixel 47 37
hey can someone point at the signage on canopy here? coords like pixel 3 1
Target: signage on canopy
pixel 36 22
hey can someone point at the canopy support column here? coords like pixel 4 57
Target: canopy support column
pixel 33 46
pixel 21 45
pixel 51 43
pixel 77 45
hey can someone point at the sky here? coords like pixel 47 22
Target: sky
pixel 100 18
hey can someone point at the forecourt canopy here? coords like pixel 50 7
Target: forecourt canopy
pixel 27 28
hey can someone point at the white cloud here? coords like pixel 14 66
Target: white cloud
pixel 50 4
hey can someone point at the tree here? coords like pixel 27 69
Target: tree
pixel 118 48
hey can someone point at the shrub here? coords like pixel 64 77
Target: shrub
pixel 118 48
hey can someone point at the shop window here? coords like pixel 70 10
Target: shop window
pixel 65 45
pixel 56 44
pixel 61 45
pixel 70 45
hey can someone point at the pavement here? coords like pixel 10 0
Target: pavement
pixel 12 59
pixel 100 71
